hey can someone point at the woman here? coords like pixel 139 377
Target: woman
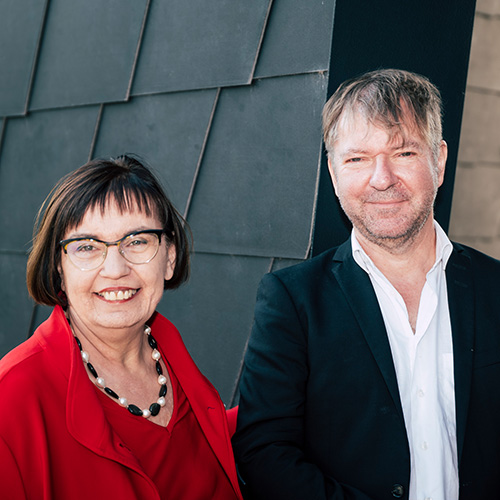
pixel 104 400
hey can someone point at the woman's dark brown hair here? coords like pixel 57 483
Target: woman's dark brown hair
pixel 125 180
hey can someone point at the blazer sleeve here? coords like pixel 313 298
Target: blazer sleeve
pixel 11 484
pixel 269 442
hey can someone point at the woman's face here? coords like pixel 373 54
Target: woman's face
pixel 94 298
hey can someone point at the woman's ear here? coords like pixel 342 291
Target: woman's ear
pixel 171 256
pixel 59 270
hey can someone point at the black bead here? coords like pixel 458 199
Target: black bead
pixel 159 371
pixel 163 390
pixel 111 392
pixel 152 342
pixel 92 370
pixel 154 409
pixel 78 343
pixel 135 410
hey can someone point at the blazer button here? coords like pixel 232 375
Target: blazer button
pixel 397 490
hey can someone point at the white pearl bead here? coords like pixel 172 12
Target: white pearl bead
pixel 85 356
pixel 146 413
pixel 147 330
pixel 123 401
pixel 156 354
pixel 161 401
pixel 162 379
pixel 100 382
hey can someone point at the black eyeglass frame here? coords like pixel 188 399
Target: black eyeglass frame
pixel 64 244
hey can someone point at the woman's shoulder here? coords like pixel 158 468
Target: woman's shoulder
pixel 22 386
pixel 21 361
pixel 164 330
pixel 25 367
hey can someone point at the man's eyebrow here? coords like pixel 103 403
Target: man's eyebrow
pixel 353 151
pixel 407 144
pixel 397 145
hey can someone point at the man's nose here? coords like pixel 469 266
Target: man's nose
pixel 383 174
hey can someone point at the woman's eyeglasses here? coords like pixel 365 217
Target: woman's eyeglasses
pixel 139 247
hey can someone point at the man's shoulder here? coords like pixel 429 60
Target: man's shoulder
pixel 310 269
pixel 479 260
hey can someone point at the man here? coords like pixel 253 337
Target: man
pixel 373 370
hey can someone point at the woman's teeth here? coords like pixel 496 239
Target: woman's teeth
pixel 120 295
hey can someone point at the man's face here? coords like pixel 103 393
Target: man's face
pixel 386 184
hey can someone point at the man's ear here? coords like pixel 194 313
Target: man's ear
pixel 331 169
pixel 441 162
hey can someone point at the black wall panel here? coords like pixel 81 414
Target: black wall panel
pixel 87 52
pixel 295 38
pixel 198 44
pixel 255 194
pixel 213 315
pixel 21 23
pixel 166 130
pixel 15 305
pixel 38 150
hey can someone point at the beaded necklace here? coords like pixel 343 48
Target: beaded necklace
pixel 155 407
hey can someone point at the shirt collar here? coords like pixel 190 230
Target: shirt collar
pixel 444 249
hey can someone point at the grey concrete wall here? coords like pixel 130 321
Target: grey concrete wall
pixel 475 217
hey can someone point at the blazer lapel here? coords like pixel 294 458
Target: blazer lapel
pixel 357 287
pixel 461 306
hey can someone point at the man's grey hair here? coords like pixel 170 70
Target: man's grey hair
pixel 391 98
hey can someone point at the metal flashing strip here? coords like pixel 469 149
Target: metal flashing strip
pixel 37 57
pixel 202 153
pixel 261 40
pixel 3 126
pixel 96 132
pixel 138 50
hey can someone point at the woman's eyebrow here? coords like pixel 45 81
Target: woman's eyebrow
pixel 92 236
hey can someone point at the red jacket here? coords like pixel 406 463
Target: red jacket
pixel 55 442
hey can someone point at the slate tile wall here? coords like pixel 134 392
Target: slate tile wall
pixel 221 98
pixel 20 28
pixel 87 52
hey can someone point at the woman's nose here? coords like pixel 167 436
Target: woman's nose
pixel 115 264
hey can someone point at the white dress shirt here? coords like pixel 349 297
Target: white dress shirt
pixel 424 369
